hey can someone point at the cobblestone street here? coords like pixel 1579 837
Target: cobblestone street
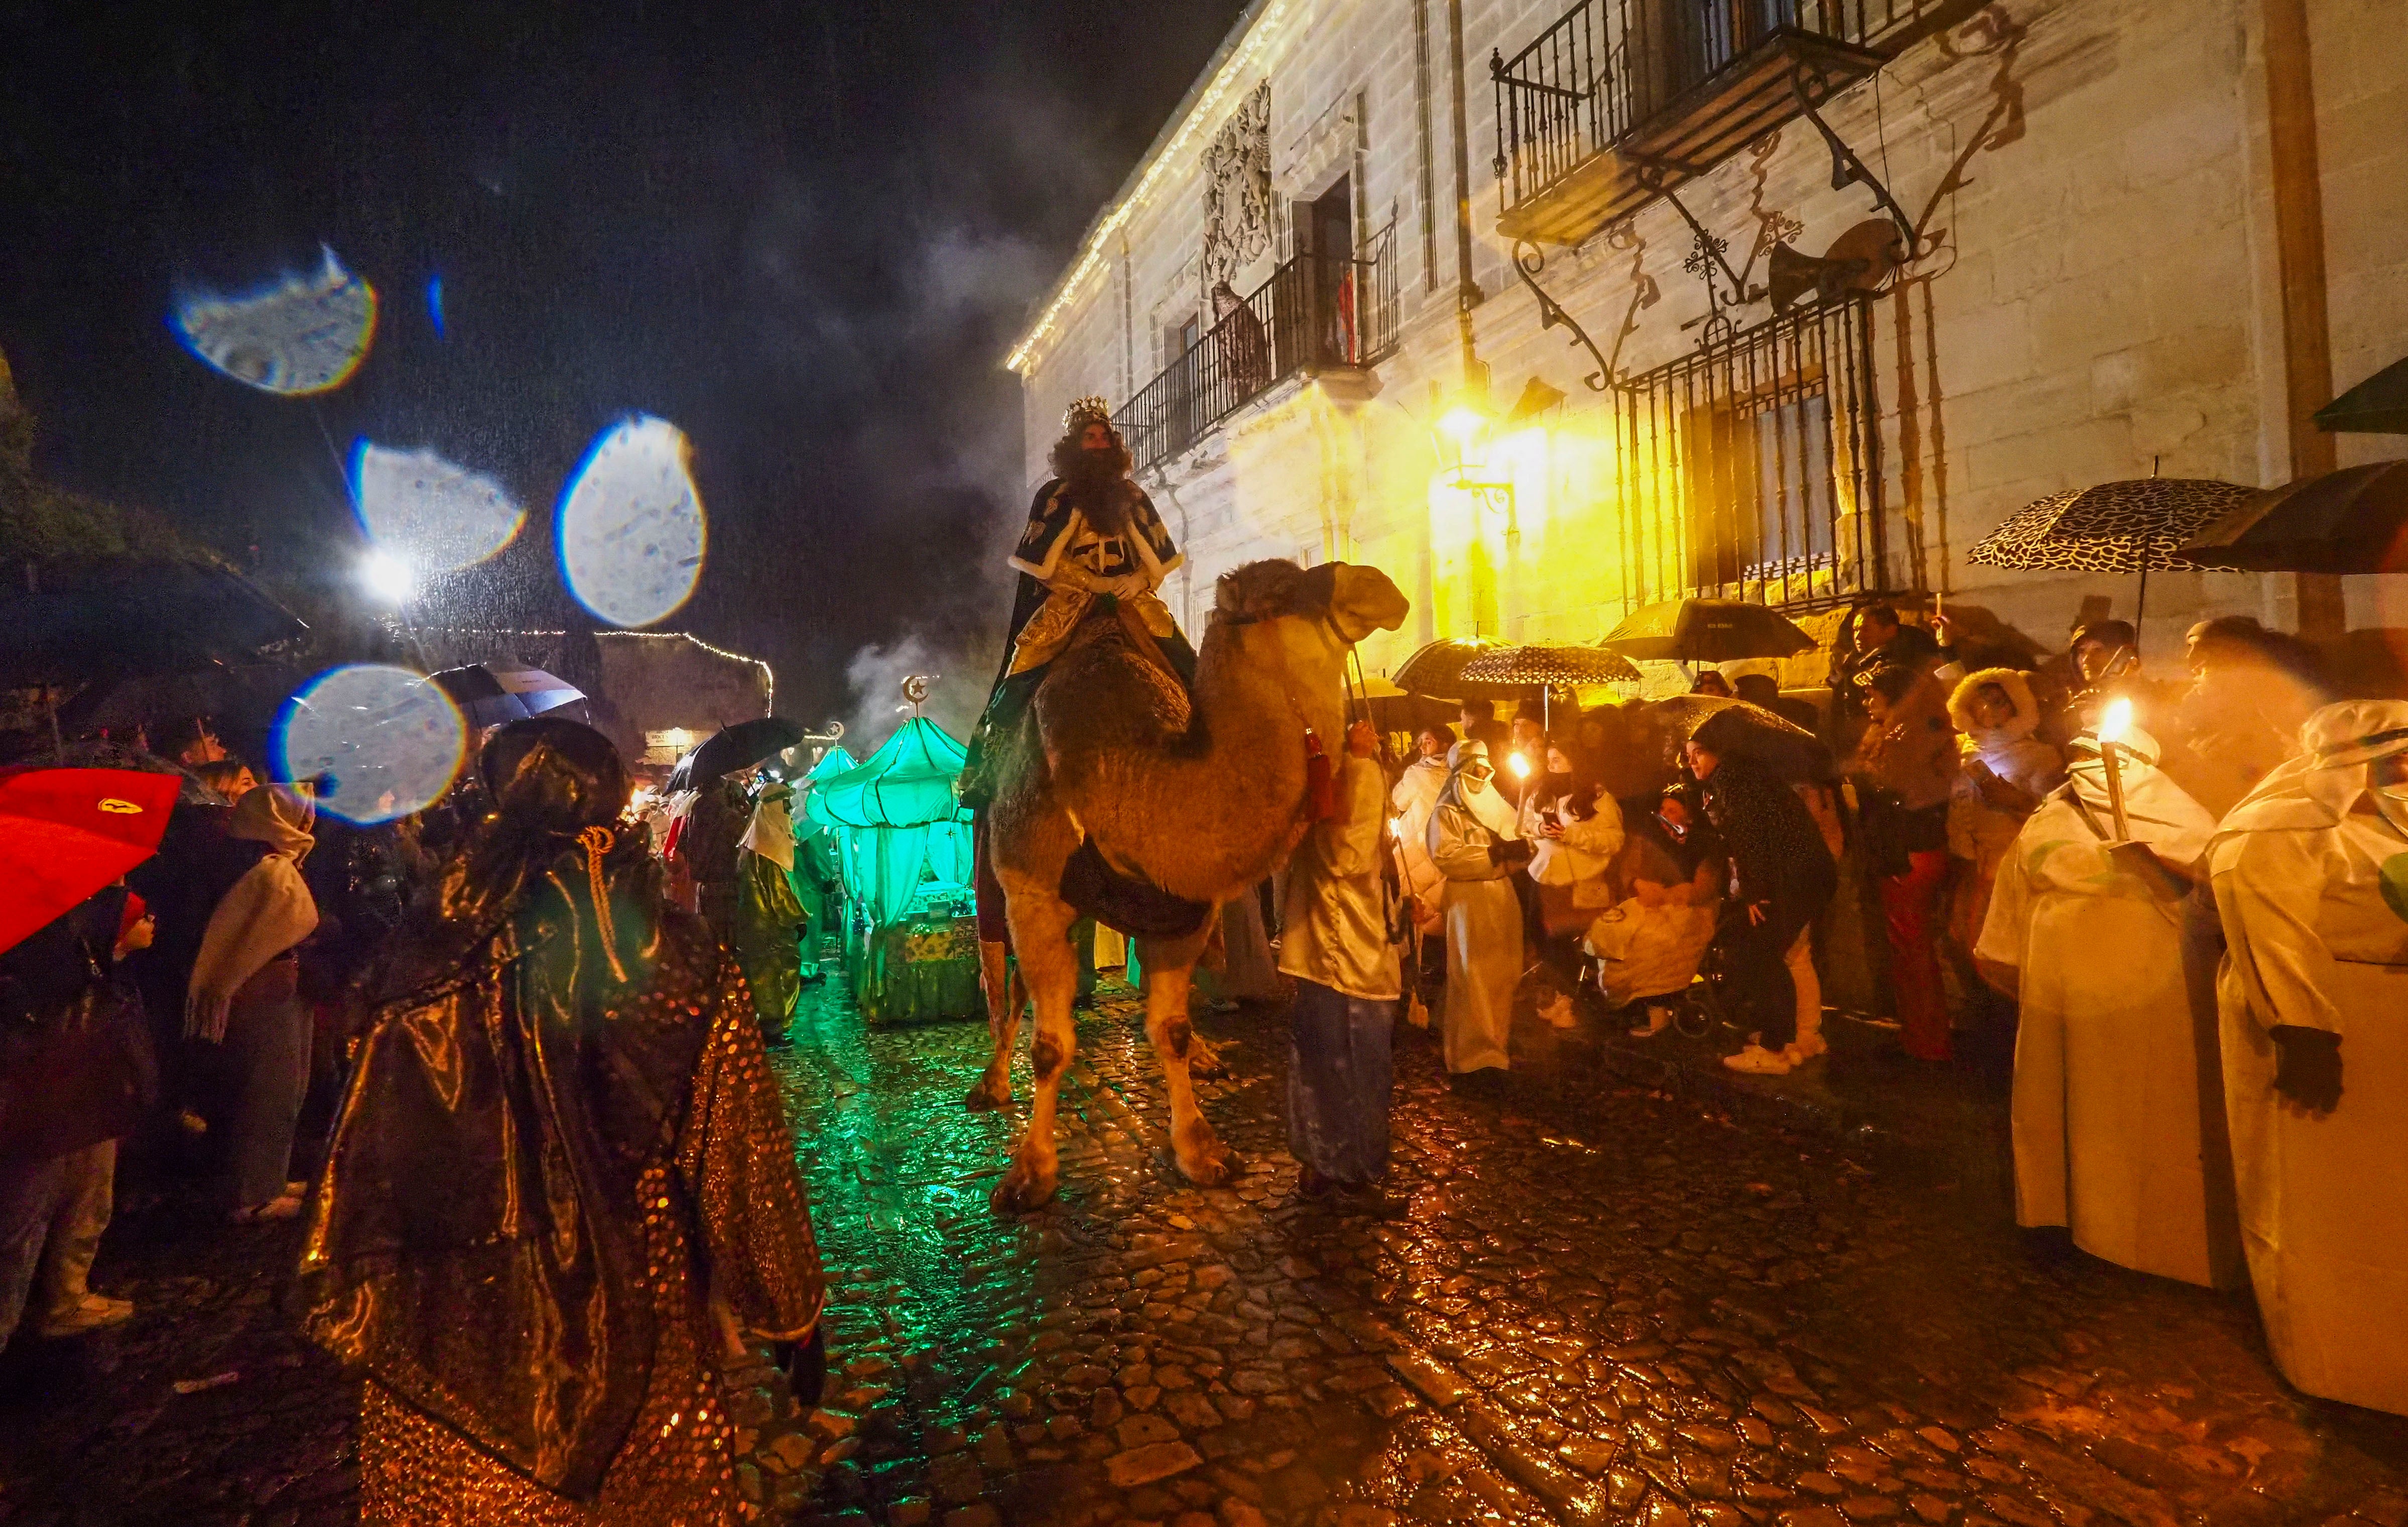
pixel 1620 1307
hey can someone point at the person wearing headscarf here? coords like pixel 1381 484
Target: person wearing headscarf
pixel 1413 797
pixel 245 994
pixel 1474 843
pixel 2084 932
pixel 2310 879
pixel 769 922
pixel 562 1194
pixel 1782 877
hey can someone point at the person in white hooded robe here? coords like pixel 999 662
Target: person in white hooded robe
pixel 2310 879
pixel 1474 844
pixel 2085 933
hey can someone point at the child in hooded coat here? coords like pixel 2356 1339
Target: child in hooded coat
pixel 2006 771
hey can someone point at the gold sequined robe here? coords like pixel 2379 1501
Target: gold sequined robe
pixel 543 1148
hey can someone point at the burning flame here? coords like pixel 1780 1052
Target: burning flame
pixel 2116 724
pixel 1520 766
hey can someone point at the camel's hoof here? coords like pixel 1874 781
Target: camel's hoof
pixel 1204 1062
pixel 986 1096
pixel 1022 1191
pixel 1216 1167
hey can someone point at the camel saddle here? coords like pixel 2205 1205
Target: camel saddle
pixel 1124 904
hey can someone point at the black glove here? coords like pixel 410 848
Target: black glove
pixel 2307 1067
pixel 1509 853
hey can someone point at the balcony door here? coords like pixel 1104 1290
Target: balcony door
pixel 1329 224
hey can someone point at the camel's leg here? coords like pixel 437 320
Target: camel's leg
pixel 1041 932
pixel 1006 996
pixel 1202 1159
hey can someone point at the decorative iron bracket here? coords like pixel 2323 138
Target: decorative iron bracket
pixel 1811 89
pixel 1528 262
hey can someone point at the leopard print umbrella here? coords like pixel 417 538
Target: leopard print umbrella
pixel 2133 527
pixel 1526 668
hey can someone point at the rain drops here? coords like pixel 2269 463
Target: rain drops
pixel 631 525
pixel 297 336
pixel 378 742
pixel 431 514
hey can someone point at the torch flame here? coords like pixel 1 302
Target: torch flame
pixel 2116 724
pixel 1520 766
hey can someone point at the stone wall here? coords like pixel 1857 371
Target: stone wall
pixel 2102 300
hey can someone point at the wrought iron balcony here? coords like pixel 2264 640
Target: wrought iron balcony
pixel 1624 100
pixel 1316 313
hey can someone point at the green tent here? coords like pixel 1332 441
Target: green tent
pixel 906 859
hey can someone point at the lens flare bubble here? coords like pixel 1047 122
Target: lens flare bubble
pixel 434 516
pixel 381 741
pixel 631 526
pixel 295 336
pixel 435 305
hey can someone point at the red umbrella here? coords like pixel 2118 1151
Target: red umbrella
pixel 65 834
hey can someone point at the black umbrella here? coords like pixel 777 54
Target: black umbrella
pixel 1736 729
pixel 2355 520
pixel 1707 631
pixel 739 746
pixel 482 702
pixel 81 618
pixel 1438 668
pixel 2377 405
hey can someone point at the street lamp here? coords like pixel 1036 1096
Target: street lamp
pixel 1464 433
pixel 387 578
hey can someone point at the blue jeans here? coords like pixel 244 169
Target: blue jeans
pixel 1338 1073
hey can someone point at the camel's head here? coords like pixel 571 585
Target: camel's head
pixel 1298 624
pixel 1353 601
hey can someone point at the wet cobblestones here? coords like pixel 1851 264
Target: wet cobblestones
pixel 1610 1308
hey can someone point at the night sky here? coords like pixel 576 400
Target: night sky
pixel 804 234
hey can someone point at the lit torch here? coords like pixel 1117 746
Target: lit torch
pixel 1520 765
pixel 2112 726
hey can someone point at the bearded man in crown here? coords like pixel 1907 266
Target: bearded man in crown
pixel 1094 545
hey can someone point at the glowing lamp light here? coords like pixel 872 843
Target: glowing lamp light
pixel 387 578
pixel 1463 433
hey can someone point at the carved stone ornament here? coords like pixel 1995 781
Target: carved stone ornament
pixel 1238 190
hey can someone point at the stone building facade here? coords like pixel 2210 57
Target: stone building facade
pixel 2093 239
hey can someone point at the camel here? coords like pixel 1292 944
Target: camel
pixel 1202 799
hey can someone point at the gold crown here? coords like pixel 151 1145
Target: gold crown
pixel 1084 412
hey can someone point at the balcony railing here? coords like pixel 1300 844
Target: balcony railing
pixel 1669 86
pixel 1316 313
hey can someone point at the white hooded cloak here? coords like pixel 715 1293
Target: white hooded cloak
pixel 2107 1095
pixel 2310 881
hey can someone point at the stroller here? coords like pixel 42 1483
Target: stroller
pixel 1664 955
